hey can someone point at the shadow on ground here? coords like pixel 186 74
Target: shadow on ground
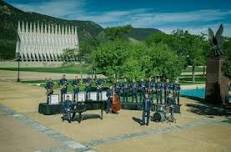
pixel 202 107
pixel 87 116
pixel 138 120
pixel 91 116
pixel 228 120
pixel 207 110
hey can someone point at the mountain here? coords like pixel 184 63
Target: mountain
pixel 9 17
pixel 141 33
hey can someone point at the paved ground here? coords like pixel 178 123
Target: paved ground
pixel 23 129
pixel 200 139
pixel 16 136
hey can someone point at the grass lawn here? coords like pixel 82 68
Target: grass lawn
pixel 86 69
pixel 71 69
pixel 80 68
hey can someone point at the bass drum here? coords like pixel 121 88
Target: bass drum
pixel 159 117
pixel 116 106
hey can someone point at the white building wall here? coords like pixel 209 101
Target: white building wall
pixel 46 41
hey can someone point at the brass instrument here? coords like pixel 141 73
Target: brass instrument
pixel 64 86
pixel 49 91
pixel 116 105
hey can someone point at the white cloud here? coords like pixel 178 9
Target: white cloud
pixel 59 8
pixel 146 18
pixel 199 20
pixel 200 29
pixel 194 21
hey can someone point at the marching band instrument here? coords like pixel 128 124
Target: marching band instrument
pixel 64 86
pixel 49 91
pixel 116 106
pixel 159 116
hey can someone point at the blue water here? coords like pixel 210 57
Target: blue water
pixel 199 92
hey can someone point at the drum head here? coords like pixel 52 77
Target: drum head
pixel 158 117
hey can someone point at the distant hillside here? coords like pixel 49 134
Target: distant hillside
pixel 9 17
pixel 142 33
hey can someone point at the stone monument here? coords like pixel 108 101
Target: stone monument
pixel 217 83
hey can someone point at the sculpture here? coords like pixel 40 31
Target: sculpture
pixel 216 41
pixel 216 82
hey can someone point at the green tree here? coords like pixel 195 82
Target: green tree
pixel 136 61
pixel 86 48
pixel 227 64
pixel 195 52
pixel 194 48
pixel 159 37
pixel 159 60
pixel 109 34
pixel 70 55
pixel 191 48
pixel 109 57
pixel 132 69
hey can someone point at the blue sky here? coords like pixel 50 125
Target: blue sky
pixel 166 15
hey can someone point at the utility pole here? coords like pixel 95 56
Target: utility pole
pixel 18 69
